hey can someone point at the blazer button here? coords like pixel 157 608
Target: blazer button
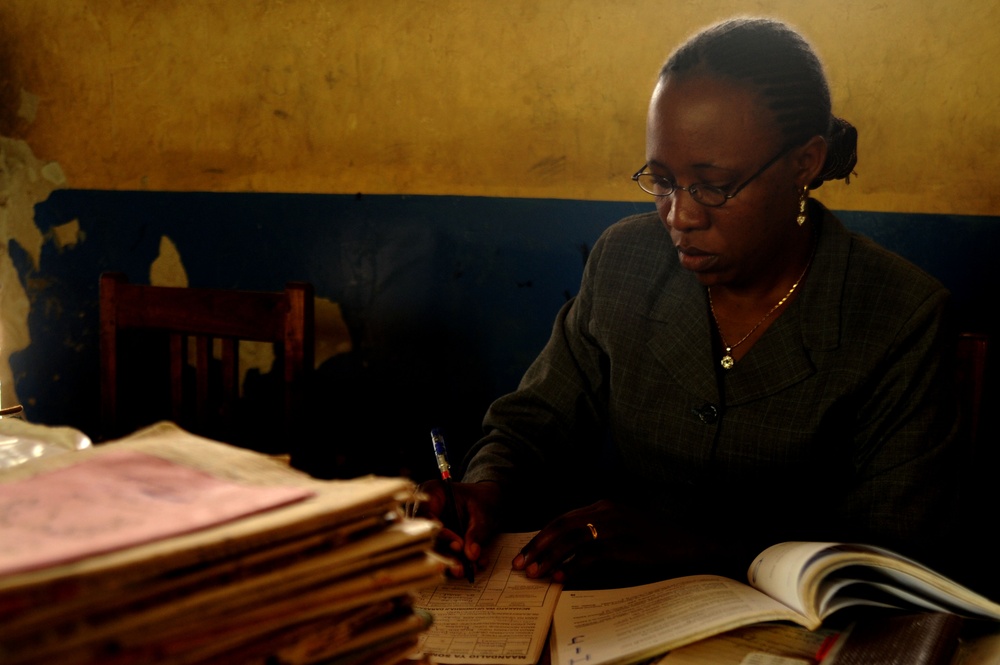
pixel 707 413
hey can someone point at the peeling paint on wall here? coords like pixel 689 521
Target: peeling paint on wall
pixel 168 269
pixel 24 181
pixel 67 235
pixel 332 334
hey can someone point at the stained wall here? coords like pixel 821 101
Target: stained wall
pixel 511 99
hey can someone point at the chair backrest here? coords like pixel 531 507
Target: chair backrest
pixel 202 392
pixel 971 381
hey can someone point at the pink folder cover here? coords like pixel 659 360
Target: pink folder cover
pixel 117 500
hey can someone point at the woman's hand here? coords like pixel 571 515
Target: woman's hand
pixel 613 543
pixel 478 506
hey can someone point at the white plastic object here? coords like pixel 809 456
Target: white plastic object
pixel 21 441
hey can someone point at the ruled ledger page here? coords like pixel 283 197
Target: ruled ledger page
pixel 503 617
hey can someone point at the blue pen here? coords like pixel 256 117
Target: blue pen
pixel 451 508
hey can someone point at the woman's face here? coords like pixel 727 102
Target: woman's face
pixel 711 131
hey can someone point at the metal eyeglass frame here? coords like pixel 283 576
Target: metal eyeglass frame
pixel 695 189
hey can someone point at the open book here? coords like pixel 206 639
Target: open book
pixel 799 582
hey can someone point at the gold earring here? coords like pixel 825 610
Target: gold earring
pixel 801 219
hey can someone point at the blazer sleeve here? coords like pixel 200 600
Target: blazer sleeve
pixel 907 452
pixel 546 432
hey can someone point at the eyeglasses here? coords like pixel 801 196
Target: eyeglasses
pixel 707 195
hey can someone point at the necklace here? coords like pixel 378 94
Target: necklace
pixel 727 361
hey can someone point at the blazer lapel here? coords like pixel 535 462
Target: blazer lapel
pixel 781 357
pixel 680 332
pixel 776 361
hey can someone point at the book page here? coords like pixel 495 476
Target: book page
pixel 810 577
pixel 118 500
pixel 763 644
pixel 621 626
pixel 939 594
pixel 503 617
pixel 778 571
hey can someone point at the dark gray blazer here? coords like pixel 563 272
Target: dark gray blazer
pixel 838 424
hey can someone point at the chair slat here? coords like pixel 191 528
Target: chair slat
pixel 204 392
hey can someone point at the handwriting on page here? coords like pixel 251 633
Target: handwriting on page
pixel 502 618
pixel 116 500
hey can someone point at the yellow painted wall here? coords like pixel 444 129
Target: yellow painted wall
pixel 518 98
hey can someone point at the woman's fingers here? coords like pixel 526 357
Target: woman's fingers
pixel 565 538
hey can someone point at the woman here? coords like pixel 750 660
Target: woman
pixel 737 369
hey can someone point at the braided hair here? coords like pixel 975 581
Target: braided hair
pixel 780 64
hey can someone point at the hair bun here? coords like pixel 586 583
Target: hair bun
pixel 842 153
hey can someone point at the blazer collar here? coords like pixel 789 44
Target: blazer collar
pixel 682 328
pixel 822 292
pixel 681 338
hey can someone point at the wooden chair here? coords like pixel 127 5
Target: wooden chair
pixel 971 382
pixel 979 502
pixel 199 391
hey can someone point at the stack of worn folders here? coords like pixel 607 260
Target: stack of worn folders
pixel 164 547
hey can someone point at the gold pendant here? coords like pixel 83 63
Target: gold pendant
pixel 727 362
